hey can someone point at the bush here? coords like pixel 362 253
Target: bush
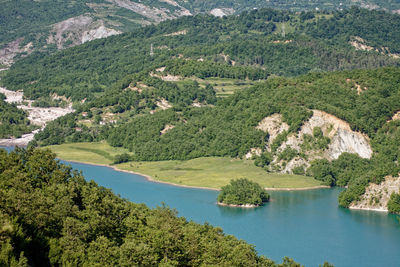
pixel 394 203
pixel 121 158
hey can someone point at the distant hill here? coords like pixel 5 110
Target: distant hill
pixel 26 26
pixel 275 42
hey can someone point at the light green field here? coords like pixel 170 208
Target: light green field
pixel 212 172
pixel 95 153
pixel 223 86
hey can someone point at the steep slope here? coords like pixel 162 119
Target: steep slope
pixel 322 136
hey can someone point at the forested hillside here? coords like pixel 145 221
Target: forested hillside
pixel 48 25
pixel 50 216
pixel 254 39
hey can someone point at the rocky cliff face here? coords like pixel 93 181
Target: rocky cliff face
pixel 336 138
pixel 78 30
pixel 376 197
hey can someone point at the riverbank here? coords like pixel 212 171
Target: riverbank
pixel 148 177
pixel 205 173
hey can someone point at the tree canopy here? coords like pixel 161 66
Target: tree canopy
pixel 243 192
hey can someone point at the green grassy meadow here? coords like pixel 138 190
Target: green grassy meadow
pixel 223 86
pixel 211 172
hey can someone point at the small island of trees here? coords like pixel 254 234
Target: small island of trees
pixel 242 192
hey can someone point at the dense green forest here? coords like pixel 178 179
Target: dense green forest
pixel 299 5
pixel 32 20
pixel 13 121
pixel 50 216
pixel 253 39
pixel 242 192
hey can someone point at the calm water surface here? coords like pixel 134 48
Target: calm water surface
pixel 305 225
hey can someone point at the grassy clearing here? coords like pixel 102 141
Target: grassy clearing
pixel 223 86
pixel 95 153
pixel 213 172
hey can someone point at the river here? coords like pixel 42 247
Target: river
pixel 305 225
pixel 308 226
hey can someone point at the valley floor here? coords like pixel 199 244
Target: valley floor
pixel 210 173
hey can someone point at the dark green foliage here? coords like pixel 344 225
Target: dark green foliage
pixel 13 121
pixel 315 142
pixel 206 69
pixel 263 160
pixel 394 203
pixel 121 158
pixel 251 39
pixel 288 154
pixel 300 170
pixel 323 171
pixel 360 22
pixel 22 18
pixel 243 192
pixel 299 5
pixel 50 216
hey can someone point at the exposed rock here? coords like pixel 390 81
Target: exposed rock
pixel 41 116
pixel 167 128
pixel 160 69
pixel 396 116
pixel 357 86
pixel 168 77
pixel 197 104
pixel 273 125
pixel 12 96
pixel 183 32
pixel 254 151
pixel 360 44
pixel 163 104
pixel 294 163
pixel 293 141
pixel 36 115
pixel 98 33
pixel 376 196
pixel 220 12
pixel 78 30
pixel 155 14
pixel 343 139
pixel 12 49
pixel 282 42
pixel 21 142
pixel 351 142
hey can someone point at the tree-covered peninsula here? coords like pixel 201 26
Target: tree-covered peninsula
pixel 242 193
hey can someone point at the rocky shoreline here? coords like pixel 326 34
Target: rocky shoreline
pixel 238 206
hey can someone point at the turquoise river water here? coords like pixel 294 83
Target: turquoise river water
pixel 305 225
pixel 308 226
